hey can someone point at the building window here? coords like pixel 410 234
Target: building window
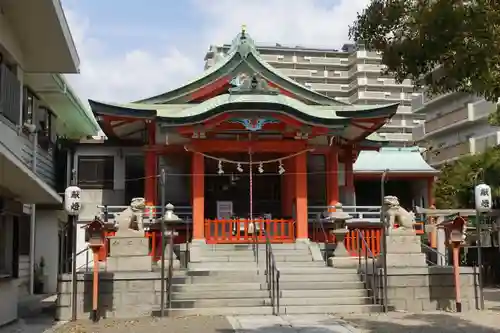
pixel 96 172
pixel 30 102
pixel 45 125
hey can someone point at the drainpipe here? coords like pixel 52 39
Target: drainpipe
pixel 33 218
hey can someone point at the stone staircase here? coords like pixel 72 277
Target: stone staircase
pixel 225 280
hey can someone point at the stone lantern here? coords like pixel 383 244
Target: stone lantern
pixel 170 221
pixel 338 219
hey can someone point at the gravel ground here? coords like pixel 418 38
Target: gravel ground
pixel 150 325
pixel 472 322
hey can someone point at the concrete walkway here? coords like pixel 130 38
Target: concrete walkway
pixel 290 324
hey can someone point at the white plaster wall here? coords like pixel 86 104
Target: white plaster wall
pixel 47 245
pixel 9 41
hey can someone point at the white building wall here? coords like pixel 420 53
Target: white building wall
pixel 91 199
pixel 47 246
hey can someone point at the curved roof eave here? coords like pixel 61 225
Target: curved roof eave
pixel 188 115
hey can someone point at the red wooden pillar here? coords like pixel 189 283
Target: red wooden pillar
pixel 349 176
pixel 430 192
pixel 198 193
pixel 301 195
pixel 332 178
pixel 287 189
pixel 151 169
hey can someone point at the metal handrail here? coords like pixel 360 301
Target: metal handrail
pixel 170 273
pixel 255 241
pixel 319 220
pixel 439 254
pixel 67 261
pixel 374 276
pixel 272 277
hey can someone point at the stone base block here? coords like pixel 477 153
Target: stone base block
pixel 343 262
pixel 404 260
pixel 128 246
pixel 129 264
pixel 176 264
pixel 403 242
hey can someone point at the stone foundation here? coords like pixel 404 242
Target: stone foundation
pixel 121 295
pixel 421 289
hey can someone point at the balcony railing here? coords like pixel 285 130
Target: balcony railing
pixel 10 95
pixel 447 153
pixel 483 143
pixel 447 120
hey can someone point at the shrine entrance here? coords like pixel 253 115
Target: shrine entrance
pixel 241 207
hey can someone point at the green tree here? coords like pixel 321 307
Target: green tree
pixel 461 38
pixel 455 185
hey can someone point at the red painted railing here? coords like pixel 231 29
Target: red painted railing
pixel 242 230
pixel 371 236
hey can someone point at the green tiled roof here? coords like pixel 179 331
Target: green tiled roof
pixel 401 160
pixel 193 113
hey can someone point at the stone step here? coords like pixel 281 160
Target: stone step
pixel 278 258
pixel 329 293
pixel 316 270
pixel 315 285
pixel 220 302
pixel 218 266
pixel 308 301
pixel 285 264
pixel 319 278
pixel 217 294
pixel 219 286
pixel 246 247
pixel 333 309
pixel 261 250
pixel 231 278
pixel 223 311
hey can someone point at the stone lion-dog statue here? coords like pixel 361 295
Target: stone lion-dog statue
pixel 132 217
pixel 395 214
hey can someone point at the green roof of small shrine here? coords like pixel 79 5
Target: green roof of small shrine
pixel 391 159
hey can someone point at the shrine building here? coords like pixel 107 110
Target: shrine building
pixel 244 141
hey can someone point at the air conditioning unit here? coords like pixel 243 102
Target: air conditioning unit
pixel 308 85
pixel 307 58
pixel 313 71
pixel 280 57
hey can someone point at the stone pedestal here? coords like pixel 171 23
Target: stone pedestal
pixel 176 262
pixel 341 258
pixel 128 252
pixel 404 250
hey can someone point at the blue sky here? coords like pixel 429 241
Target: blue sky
pixel 131 49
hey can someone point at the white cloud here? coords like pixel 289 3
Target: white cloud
pixel 141 73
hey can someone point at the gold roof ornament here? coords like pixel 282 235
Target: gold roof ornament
pixel 243 28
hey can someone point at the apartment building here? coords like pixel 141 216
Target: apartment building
pixel 37 110
pixel 456 124
pixel 352 75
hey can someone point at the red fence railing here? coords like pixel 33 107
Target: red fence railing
pixel 244 231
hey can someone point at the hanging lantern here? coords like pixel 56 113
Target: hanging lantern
pixel 281 168
pixel 482 195
pixel 219 167
pixel 239 168
pixel 260 168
